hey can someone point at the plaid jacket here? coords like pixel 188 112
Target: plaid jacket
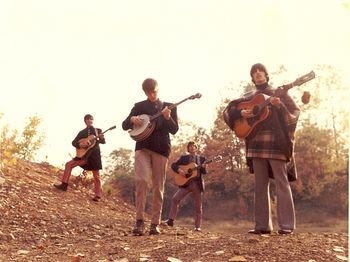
pixel 274 137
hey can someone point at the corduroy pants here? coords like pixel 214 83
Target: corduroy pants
pixel 180 194
pixel 74 163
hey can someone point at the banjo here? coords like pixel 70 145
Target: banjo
pixel 142 132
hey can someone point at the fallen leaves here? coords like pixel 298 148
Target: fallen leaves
pixel 39 223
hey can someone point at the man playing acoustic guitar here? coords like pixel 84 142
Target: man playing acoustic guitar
pixel 269 151
pixel 151 154
pixel 194 186
pixel 91 160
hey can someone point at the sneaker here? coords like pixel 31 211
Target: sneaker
pixel 169 222
pixel 198 229
pixel 62 186
pixel 139 228
pixel 154 229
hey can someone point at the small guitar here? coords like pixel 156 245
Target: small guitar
pixel 192 171
pixel 86 144
pixel 243 127
pixel 140 133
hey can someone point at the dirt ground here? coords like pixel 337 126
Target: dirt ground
pixel 39 223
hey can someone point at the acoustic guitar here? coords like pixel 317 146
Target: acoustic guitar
pixel 243 127
pixel 142 132
pixel 192 171
pixel 87 144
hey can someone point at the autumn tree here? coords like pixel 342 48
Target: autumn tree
pixel 31 139
pixel 322 144
pixel 21 145
pixel 120 170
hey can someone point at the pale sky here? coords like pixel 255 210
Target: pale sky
pixel 63 59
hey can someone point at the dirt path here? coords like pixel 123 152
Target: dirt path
pixel 38 223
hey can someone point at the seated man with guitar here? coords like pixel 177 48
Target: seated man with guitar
pixel 152 150
pixel 269 146
pixel 88 156
pixel 191 167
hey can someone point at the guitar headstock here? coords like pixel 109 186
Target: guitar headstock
pixel 217 158
pixel 305 78
pixel 220 157
pixel 198 95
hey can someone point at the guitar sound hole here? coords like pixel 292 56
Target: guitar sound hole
pixel 189 174
pixel 256 110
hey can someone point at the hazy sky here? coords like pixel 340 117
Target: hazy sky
pixel 63 59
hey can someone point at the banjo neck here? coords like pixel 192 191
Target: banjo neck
pixel 172 106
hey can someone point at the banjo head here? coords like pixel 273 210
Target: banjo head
pixel 137 130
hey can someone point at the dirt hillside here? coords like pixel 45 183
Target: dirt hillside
pixel 39 223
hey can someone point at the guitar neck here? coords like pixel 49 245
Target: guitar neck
pixel 172 106
pixel 284 89
pixel 206 162
pixel 111 128
pixel 299 81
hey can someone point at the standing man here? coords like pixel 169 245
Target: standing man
pixel 268 152
pixel 151 154
pixel 91 160
pixel 194 186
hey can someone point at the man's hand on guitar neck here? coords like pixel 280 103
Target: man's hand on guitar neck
pixel 166 113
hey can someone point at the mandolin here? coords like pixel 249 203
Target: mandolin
pixel 243 127
pixel 87 144
pixel 142 132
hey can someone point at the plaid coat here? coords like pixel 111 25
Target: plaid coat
pixel 273 137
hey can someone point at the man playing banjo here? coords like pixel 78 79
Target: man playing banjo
pixel 151 153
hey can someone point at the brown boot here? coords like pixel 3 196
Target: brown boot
pixel 63 186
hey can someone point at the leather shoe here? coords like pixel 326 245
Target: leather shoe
pixel 169 222
pixel 285 231
pixel 63 186
pixel 259 232
pixel 96 198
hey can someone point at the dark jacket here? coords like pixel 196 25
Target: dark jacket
pixel 159 140
pixel 185 160
pixel 94 161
